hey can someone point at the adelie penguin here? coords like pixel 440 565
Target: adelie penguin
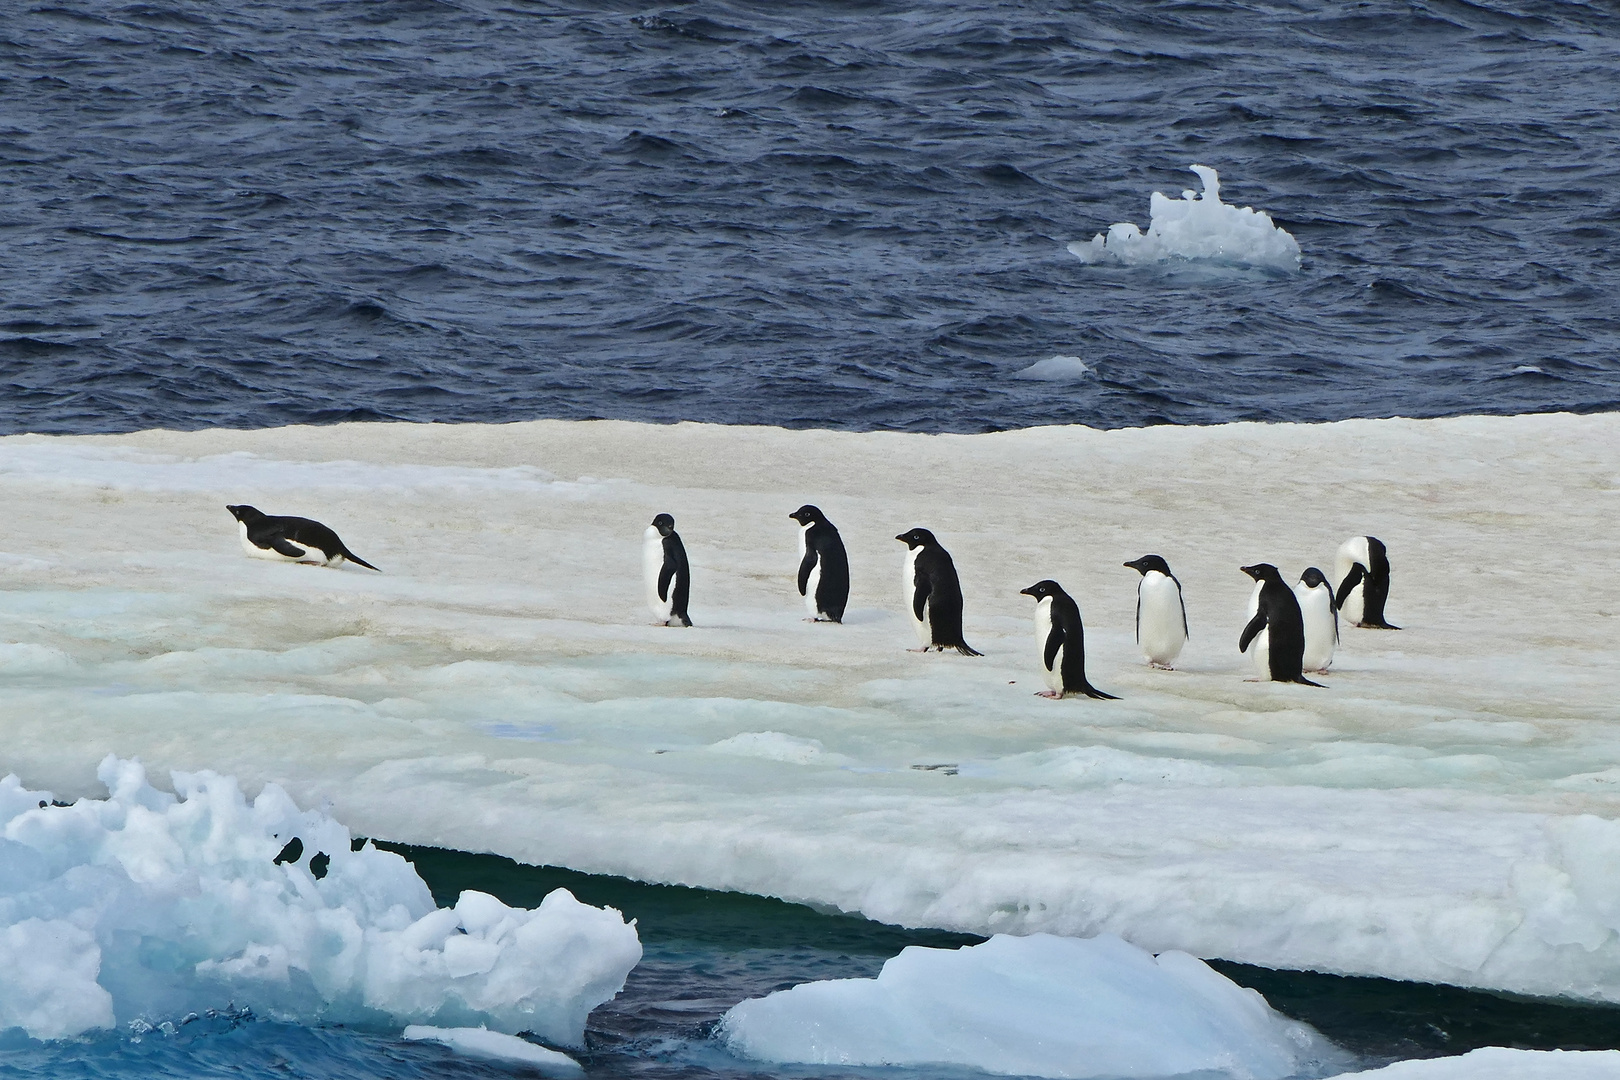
pixel 1321 618
pixel 1061 642
pixel 668 577
pixel 1161 615
pixel 290 539
pixel 1277 628
pixel 823 566
pixel 1363 568
pixel 932 594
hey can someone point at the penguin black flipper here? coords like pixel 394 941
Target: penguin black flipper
pixel 1256 624
pixel 1185 628
pixel 665 576
pixel 807 564
pixel 919 596
pixel 282 546
pixel 1054 642
pixel 1351 580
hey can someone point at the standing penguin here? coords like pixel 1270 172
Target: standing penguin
pixel 1321 619
pixel 668 577
pixel 1161 615
pixel 1279 618
pixel 1060 642
pixel 932 594
pixel 823 566
pixel 1363 569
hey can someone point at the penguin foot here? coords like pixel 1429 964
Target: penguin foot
pixel 1053 694
pixel 1160 667
pixel 925 648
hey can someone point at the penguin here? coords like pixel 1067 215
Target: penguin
pixel 1060 642
pixel 823 566
pixel 1279 618
pixel 669 578
pixel 1259 649
pixel 1321 618
pixel 1363 568
pixel 1161 614
pixel 932 594
pixel 290 539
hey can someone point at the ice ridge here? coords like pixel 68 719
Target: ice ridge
pixel 1195 227
pixel 148 904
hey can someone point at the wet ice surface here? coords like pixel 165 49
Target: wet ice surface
pixel 1438 813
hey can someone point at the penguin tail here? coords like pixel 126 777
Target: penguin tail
pixel 967 650
pixel 352 557
pixel 1303 680
pixel 1380 625
pixel 1092 692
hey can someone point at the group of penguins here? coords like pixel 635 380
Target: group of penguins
pixel 1290 630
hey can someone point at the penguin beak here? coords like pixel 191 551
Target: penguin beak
pixel 1027 592
pixel 1134 566
pixel 1252 571
pixel 902 539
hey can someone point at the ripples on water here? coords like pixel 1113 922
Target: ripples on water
pixel 850 215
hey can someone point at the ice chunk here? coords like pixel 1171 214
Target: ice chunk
pixel 1055 369
pixel 1500 1063
pixel 1195 226
pixel 772 746
pixel 149 904
pixel 1031 1006
pixel 483 1043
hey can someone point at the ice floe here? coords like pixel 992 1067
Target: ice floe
pixel 148 905
pixel 1032 1006
pixel 1055 369
pixel 1198 226
pixel 1445 810
pixel 1501 1063
pixel 496 1046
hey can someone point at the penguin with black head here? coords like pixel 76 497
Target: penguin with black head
pixel 290 539
pixel 1321 618
pixel 666 572
pixel 823 566
pixel 932 594
pixel 1060 641
pixel 1277 616
pixel 1161 615
pixel 1363 568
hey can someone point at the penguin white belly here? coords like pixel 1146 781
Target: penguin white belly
pixel 1316 606
pixel 309 554
pixel 908 589
pixel 1162 628
pixel 1260 651
pixel 652 564
pixel 1043 629
pixel 1351 552
pixel 814 580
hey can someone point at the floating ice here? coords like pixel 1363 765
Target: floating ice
pixel 484 1043
pixel 147 904
pixel 1031 1006
pixel 1055 369
pixel 1195 226
pixel 1501 1063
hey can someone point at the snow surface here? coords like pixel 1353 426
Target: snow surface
pixel 1032 1006
pixel 1197 226
pixel 1500 1063
pixel 148 904
pixel 495 1046
pixel 1443 811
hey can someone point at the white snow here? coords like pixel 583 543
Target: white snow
pixel 1445 810
pixel 1032 1006
pixel 496 1046
pixel 1197 226
pixel 151 904
pixel 1501 1063
pixel 1055 369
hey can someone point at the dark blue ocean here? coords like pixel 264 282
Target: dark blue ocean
pixel 849 215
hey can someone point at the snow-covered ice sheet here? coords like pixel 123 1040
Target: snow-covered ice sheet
pixel 1034 1006
pixel 1197 227
pixel 143 906
pixel 1442 811
pixel 1501 1063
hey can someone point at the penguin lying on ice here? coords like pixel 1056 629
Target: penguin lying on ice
pixel 1060 641
pixel 290 539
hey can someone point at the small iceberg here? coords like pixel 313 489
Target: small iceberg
pixel 1032 1006
pixel 1195 227
pixel 493 1046
pixel 121 911
pixel 1055 369
pixel 1502 1063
